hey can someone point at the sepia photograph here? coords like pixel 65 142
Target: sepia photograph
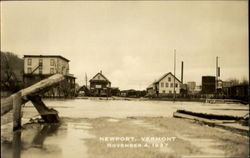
pixel 124 79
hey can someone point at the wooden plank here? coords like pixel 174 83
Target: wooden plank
pixel 225 124
pixel 40 87
pixel 48 115
pixel 187 116
pixel 210 115
pixel 17 107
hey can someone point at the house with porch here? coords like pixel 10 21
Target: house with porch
pixel 100 85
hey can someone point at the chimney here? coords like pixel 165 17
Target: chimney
pixel 101 71
pixel 182 72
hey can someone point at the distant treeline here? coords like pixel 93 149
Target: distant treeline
pixel 11 72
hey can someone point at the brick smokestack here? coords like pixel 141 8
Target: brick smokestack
pixel 182 71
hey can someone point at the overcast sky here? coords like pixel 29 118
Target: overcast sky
pixel 132 42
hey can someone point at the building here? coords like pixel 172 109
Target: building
pixel 191 87
pixel 151 90
pixel 38 67
pixel 83 91
pixel 100 85
pixel 226 90
pixel 115 91
pixel 208 84
pixel 240 92
pixel 165 85
pixel 184 90
pixel 197 89
pixel 129 93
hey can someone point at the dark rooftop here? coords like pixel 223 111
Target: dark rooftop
pixel 46 56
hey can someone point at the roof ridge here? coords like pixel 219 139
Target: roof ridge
pixel 101 75
pixel 59 56
pixel 165 76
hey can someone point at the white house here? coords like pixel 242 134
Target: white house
pixel 165 85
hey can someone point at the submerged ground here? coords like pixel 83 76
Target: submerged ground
pixel 119 129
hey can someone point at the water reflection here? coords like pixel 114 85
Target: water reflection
pixel 14 149
pixel 47 130
pixel 16 144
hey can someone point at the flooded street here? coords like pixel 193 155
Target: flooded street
pixel 92 128
pixel 93 108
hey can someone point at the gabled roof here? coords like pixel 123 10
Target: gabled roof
pixel 165 76
pixel 101 75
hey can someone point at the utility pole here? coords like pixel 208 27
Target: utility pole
pixel 182 72
pixel 217 74
pixel 174 70
pixel 216 78
pixel 86 80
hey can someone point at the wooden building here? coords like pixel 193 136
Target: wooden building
pixel 39 67
pixel 164 86
pixel 100 85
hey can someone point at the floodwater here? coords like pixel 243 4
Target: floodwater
pixel 68 139
pixel 93 108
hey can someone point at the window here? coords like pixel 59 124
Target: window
pixel 166 84
pixel 29 61
pixel 176 85
pixel 162 84
pixel 52 71
pixel 29 70
pixel 98 86
pixel 171 85
pixel 52 62
pixel 98 77
pixel 169 79
pixel 163 91
pixel 170 92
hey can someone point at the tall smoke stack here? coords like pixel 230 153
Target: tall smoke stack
pixel 182 72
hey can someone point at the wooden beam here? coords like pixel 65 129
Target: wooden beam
pixel 37 88
pixel 6 105
pixel 17 107
pixel 48 115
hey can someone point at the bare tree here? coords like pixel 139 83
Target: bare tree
pixel 11 71
pixel 234 81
